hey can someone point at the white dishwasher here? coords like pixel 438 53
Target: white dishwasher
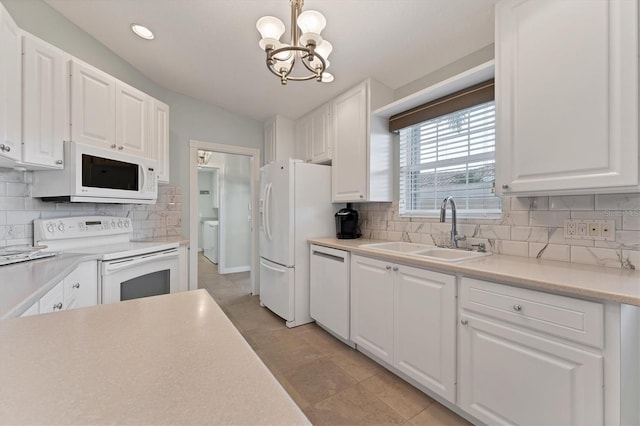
pixel 329 293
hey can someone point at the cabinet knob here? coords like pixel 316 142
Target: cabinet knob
pixel 464 322
pixel 121 147
pixel 361 196
pixel 1 147
pixel 113 146
pixel 7 148
pixel 388 267
pixel 505 186
pixel 57 306
pixel 395 268
pixel 517 307
pixel 58 162
pixel 76 285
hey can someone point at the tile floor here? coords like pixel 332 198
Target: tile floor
pixel 332 383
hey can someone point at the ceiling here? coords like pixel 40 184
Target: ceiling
pixel 208 49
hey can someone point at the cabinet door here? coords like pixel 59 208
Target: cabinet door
pixel 32 310
pixel 425 328
pixel 269 142
pixel 81 286
pixel 160 138
pixel 372 306
pixel 46 122
pixel 10 89
pixel 303 139
pixel 54 300
pixel 93 119
pixel 349 163
pixel 567 95
pixel 320 135
pixel 132 120
pixel 511 376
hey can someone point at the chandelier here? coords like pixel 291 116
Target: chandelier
pixel 306 45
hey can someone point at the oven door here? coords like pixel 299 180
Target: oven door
pixel 140 276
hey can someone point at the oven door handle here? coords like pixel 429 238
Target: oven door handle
pixel 114 265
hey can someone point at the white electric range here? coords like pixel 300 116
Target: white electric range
pixel 127 269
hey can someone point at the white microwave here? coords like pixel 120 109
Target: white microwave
pixel 98 175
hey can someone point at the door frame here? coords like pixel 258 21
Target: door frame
pixel 254 167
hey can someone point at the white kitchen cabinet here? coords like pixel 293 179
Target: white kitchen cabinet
pixel 425 328
pixel 160 138
pixel 133 113
pixel 279 139
pixel 515 364
pixel 372 306
pixel 313 136
pixel 53 301
pixel 406 317
pixel 567 96
pixel 362 145
pixel 81 286
pixel 32 310
pixel 10 90
pixel 93 110
pixel 45 96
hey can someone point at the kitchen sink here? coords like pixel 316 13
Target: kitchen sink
pixel 450 255
pixel 427 251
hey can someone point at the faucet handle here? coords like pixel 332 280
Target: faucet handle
pixel 482 248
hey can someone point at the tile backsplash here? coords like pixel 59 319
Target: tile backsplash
pixel 529 226
pixel 18 210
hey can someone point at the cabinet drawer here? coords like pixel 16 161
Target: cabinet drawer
pixel 574 319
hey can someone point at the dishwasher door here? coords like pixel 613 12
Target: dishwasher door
pixel 329 289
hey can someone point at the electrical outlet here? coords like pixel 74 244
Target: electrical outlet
pixel 571 228
pixel 594 229
pixel 590 229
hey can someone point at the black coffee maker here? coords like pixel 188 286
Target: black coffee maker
pixel 347 223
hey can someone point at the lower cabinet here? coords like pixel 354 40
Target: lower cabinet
pixel 512 373
pixel 79 289
pixel 406 317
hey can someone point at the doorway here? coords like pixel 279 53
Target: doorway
pixel 237 172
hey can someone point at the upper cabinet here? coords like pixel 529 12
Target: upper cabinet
pixel 133 109
pixel 362 145
pixel 10 90
pixel 567 96
pixel 160 138
pixel 279 134
pixel 45 96
pixel 313 136
pixel 93 110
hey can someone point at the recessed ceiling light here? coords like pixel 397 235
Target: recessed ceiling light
pixel 142 31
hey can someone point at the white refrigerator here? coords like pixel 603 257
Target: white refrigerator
pixel 295 205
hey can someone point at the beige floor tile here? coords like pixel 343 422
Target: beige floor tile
pixel 353 406
pixel 322 340
pixel 357 365
pixel 319 379
pixel 400 395
pixel 287 359
pixel 438 415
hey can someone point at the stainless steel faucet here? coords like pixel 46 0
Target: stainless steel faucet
pixel 443 215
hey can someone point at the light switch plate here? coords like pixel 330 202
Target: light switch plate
pixel 590 229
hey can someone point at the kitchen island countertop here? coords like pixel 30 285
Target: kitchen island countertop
pixel 170 359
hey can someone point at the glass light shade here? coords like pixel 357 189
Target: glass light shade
pixel 307 38
pixel 324 49
pixel 270 27
pixel 327 77
pixel 283 66
pixel 283 56
pixel 311 21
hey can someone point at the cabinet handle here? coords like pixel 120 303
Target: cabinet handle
pixel 395 268
pixel 7 148
pixel 121 147
pixel 113 146
pixel 361 196
pixel 388 267
pixel 464 322
pixel 517 307
pixel 76 285
pixel 505 186
pixel 58 162
pixel 57 306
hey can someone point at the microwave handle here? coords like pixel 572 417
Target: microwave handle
pixel 142 178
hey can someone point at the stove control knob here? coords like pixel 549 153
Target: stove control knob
pixel 126 223
pixel 113 223
pixel 119 224
pixel 61 226
pixel 50 228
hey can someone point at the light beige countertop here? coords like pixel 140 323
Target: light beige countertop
pixel 170 359
pixel 22 284
pixel 587 281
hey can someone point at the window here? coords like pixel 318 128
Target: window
pixel 452 154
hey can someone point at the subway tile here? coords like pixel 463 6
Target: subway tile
pixel 601 215
pixel 512 248
pixel 631 222
pixel 572 202
pixel 530 234
pixel 618 202
pixel 515 218
pixel 12 203
pixel 22 217
pixel 631 259
pixel 628 240
pixel 596 256
pixel 529 203
pixel 548 218
pixel 17 189
pixel 550 251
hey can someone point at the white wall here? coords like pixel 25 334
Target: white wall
pixel 206 211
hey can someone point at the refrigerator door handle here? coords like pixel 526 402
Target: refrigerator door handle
pixel 281 270
pixel 267 204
